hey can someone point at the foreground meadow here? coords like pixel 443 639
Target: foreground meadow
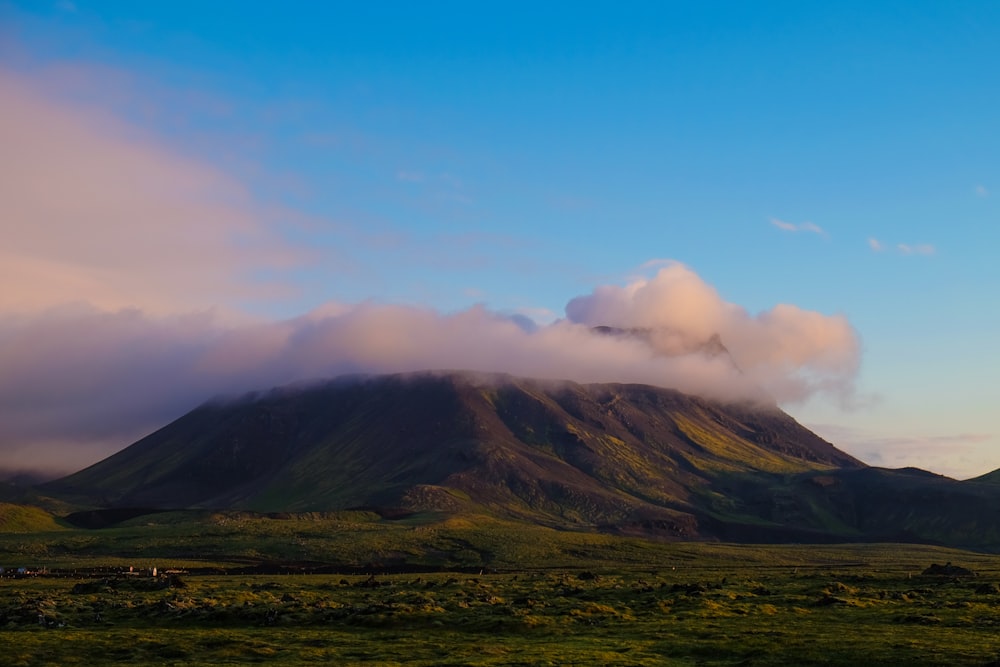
pixel 568 599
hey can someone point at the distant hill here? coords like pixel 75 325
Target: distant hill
pixel 626 459
pixel 989 478
pixel 25 519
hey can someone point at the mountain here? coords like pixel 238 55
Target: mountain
pixel 618 458
pixel 552 452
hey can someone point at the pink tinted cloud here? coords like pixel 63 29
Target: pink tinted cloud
pixel 91 210
pixel 917 249
pixel 959 455
pixel 789 351
pixel 925 249
pixel 82 377
pixel 108 234
pixel 81 374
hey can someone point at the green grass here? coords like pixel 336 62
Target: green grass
pixel 726 452
pixel 701 613
pixel 26 519
pixel 543 597
pixel 426 540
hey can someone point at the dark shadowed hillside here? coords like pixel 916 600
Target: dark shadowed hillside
pixel 559 453
pixel 626 459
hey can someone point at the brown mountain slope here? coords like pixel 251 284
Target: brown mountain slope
pixel 555 453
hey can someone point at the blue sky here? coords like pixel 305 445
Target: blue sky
pixel 841 157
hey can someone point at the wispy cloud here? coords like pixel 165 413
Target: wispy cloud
pixel 925 249
pixel 982 191
pixel 959 455
pixel 918 249
pixel 807 226
pixel 656 263
pixel 93 211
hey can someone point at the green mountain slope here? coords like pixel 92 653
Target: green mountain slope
pixel 551 453
pixel 26 519
pixel 621 459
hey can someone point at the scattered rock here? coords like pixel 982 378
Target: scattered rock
pixel 948 570
pixel 828 600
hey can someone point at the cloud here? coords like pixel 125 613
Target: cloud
pixel 982 191
pixel 79 377
pixel 791 352
pixel 919 249
pixel 120 255
pixel 79 381
pixel 960 455
pixel 91 210
pixel 800 227
pixel 925 249
pixel 656 263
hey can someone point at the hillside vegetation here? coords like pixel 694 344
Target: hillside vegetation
pixel 25 519
pixel 356 588
pixel 628 460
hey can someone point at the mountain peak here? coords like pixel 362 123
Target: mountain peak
pixel 557 453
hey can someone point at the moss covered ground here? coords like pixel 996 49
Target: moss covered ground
pixel 464 591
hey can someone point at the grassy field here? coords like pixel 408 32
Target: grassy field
pixel 523 596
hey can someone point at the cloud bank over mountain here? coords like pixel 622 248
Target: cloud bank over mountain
pixel 791 352
pixel 129 263
pixel 81 374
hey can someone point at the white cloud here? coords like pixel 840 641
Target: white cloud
pixel 982 191
pixel 959 455
pixel 918 249
pixel 789 351
pixel 903 248
pixel 657 263
pixel 86 377
pixel 798 227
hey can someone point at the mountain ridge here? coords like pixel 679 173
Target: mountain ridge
pixel 519 446
pixel 619 458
